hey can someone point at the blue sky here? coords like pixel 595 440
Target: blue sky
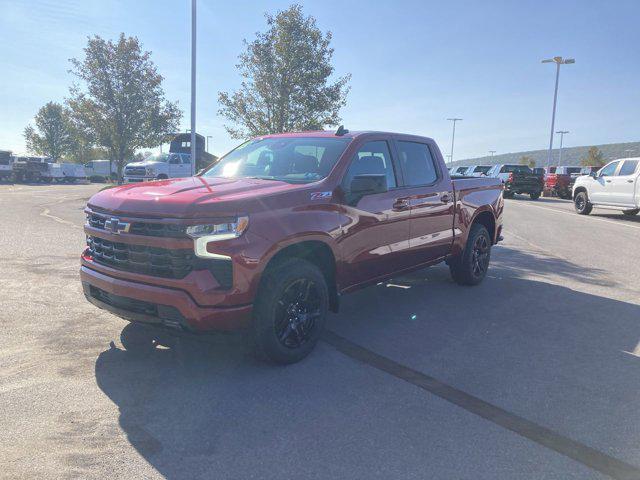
pixel 414 63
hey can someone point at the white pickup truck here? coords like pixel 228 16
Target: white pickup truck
pixel 614 186
pixel 159 167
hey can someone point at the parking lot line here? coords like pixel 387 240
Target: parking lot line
pixel 575 215
pixel 546 437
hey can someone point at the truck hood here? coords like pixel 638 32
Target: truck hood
pixel 193 197
pixel 141 164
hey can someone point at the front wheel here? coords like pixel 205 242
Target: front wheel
pixel 631 213
pixel 582 204
pixel 471 267
pixel 290 312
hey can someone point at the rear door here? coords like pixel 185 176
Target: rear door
pixel 429 192
pixel 623 183
pixel 374 228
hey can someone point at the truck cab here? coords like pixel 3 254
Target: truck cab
pixel 615 186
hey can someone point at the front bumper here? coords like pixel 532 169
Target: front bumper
pixel 137 179
pixel 170 307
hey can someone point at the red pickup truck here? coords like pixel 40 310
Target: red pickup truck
pixel 560 180
pixel 269 237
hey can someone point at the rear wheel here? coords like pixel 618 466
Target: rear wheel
pixel 582 204
pixel 535 195
pixel 290 312
pixel 631 213
pixel 471 267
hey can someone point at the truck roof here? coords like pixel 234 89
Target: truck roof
pixel 332 133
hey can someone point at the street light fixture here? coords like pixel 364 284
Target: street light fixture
pixel 558 61
pixel 492 152
pixel 562 134
pixel 453 137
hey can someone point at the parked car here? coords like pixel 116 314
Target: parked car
pixel 272 235
pixel 459 171
pixel 559 180
pixel 477 170
pixel 6 164
pixel 101 170
pixel 615 186
pixel 518 179
pixel 159 167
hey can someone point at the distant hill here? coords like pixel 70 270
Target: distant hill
pixel 570 155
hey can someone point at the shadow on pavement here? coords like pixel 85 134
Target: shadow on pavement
pixel 197 409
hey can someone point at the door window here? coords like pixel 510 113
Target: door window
pixel 417 164
pixel 373 158
pixel 628 167
pixel 174 159
pixel 609 170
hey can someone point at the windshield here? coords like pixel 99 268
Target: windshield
pixel 481 169
pixel 571 170
pixel 157 157
pixel 294 160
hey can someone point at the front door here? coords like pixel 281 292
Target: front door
pixel 374 228
pixel 600 187
pixel 430 195
pixel 623 183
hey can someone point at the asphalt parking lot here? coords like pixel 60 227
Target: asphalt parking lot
pixel 533 374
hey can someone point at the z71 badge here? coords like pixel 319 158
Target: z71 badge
pixel 320 195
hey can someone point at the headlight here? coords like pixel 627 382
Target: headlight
pixel 203 234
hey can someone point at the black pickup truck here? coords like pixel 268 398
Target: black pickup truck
pixel 518 179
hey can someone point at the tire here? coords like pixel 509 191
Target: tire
pixel 471 267
pixel 582 204
pixel 535 195
pixel 162 176
pixel 290 312
pixel 507 194
pixel 631 213
pixel 137 338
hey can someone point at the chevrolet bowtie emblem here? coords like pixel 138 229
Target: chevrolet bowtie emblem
pixel 114 225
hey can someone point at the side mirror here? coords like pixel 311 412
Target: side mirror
pixel 366 184
pixel 593 174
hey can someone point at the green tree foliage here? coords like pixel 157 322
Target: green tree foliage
pixel 286 82
pixel 527 160
pixel 120 101
pixel 594 158
pixel 51 135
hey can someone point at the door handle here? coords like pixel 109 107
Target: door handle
pixel 401 204
pixel 630 181
pixel 445 198
pixel 608 181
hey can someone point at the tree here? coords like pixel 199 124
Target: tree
pixel 527 160
pixel 51 136
pixel 122 105
pixel 286 80
pixel 594 158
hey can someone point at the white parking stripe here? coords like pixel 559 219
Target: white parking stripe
pixel 575 215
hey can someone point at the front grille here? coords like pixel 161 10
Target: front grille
pixel 143 259
pixel 135 171
pixel 157 262
pixel 142 228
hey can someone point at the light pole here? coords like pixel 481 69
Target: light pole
pixel 562 134
pixel 558 61
pixel 492 152
pixel 453 137
pixel 208 137
pixel 193 87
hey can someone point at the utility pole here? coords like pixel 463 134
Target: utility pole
pixel 562 133
pixel 193 87
pixel 453 136
pixel 558 61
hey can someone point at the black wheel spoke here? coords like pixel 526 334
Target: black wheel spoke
pixel 297 311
